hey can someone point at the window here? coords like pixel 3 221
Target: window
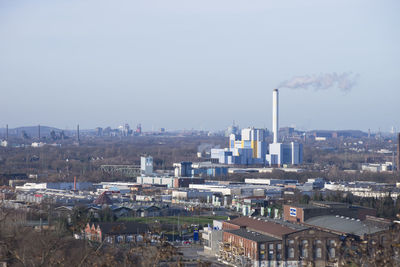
pixel 332 252
pixel 270 254
pixel 291 253
pixel 318 253
pixel 304 243
pixel 291 242
pixel 318 242
pixel 279 246
pixel 304 253
pixel 262 246
pixel 332 243
pixel 271 246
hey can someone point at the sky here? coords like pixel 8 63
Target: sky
pixel 182 64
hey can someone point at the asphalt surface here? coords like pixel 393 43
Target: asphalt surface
pixel 194 252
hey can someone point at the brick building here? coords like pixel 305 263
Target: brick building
pixel 262 225
pixel 245 246
pixel 259 241
pixel 266 242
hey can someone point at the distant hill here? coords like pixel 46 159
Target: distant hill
pixel 339 133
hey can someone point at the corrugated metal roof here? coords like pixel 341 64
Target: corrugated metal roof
pixel 344 225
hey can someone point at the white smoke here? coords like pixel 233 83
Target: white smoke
pixel 344 81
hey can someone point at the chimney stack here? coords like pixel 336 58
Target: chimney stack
pixel 275 115
pixel 398 152
pixel 7 132
pixel 39 132
pixel 77 129
pixel 74 183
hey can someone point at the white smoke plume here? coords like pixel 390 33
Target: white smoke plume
pixel 344 81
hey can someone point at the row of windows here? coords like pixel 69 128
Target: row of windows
pixel 291 251
pixel 271 246
pixel 304 245
pixel 331 242
pixel 317 251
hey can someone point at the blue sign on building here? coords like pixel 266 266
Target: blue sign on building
pixel 293 212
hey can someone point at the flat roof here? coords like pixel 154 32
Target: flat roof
pixel 344 225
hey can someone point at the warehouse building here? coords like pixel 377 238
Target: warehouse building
pixel 302 212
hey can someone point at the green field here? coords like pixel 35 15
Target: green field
pixel 188 220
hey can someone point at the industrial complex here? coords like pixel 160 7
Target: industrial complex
pixel 250 146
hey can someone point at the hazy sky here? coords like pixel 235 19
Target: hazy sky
pixel 197 64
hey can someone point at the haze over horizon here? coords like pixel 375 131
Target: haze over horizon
pixel 201 65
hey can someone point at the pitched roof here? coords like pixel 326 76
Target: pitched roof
pixel 116 208
pixel 64 208
pixel 265 226
pixel 120 228
pixel 103 199
pixel 250 235
pixel 152 208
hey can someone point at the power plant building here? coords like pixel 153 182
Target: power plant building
pixel 280 154
pixel 146 165
pixel 251 148
pixel 247 148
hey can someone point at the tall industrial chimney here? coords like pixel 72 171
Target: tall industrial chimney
pixel 77 130
pixel 7 132
pixel 275 115
pixel 398 153
pixel 39 132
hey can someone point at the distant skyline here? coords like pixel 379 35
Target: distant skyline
pixel 199 64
